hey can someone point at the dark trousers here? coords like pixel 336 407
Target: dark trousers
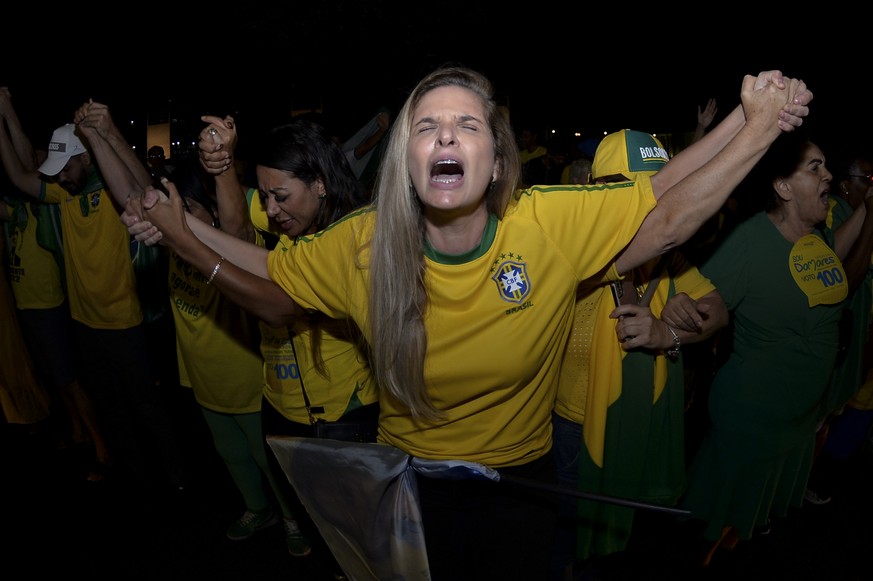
pixel 115 369
pixel 490 530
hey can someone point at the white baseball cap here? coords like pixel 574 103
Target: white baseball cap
pixel 64 145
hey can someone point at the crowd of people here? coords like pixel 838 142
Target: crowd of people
pixel 509 336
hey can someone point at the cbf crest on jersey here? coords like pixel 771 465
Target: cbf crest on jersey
pixel 512 281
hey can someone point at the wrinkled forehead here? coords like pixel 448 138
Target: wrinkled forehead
pixel 451 102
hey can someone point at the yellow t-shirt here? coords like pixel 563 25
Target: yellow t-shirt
pixel 497 320
pixel 101 286
pixel 347 380
pixel 216 343
pixel 32 270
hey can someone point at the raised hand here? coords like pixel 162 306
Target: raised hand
pixel 707 114
pixel 797 102
pixel 94 117
pixel 797 108
pixel 217 144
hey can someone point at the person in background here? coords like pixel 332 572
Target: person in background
pixel 838 442
pixel 452 259
pixel 578 171
pixel 532 156
pixel 43 312
pixel 23 399
pixel 618 426
pixel 781 276
pixel 157 163
pixel 217 343
pixel 108 331
pixel 315 374
pixel 705 118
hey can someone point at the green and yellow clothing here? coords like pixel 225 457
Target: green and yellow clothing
pixel 848 373
pixel 631 407
pixel 347 382
pixel 32 271
pixel 101 286
pixel 216 343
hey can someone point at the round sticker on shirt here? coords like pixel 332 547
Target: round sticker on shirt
pixel 817 271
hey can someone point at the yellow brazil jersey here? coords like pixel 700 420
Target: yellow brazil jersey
pixel 33 272
pixel 345 379
pixel 498 316
pixel 216 343
pixel 101 287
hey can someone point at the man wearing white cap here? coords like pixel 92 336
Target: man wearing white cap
pixel 101 289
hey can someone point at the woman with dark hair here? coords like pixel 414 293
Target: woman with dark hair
pixel 782 279
pixel 316 378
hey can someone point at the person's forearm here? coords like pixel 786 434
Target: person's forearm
pixel 687 205
pixel 127 156
pixel 857 260
pixel 262 298
pixel 701 151
pixel 27 181
pixel 238 270
pixel 21 143
pixel 847 232
pixel 118 179
pixel 233 209
pixel 244 254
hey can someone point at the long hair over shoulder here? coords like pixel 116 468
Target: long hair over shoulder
pixel 398 299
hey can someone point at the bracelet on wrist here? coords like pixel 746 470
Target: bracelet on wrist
pixel 215 270
pixel 673 352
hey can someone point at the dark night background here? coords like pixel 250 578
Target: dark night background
pixel 562 66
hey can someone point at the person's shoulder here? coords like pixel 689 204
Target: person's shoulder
pixel 360 222
pixel 52 192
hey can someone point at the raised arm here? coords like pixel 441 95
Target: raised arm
pixel 687 203
pixel 709 145
pixel 217 146
pixel 20 142
pixel 124 174
pixel 704 119
pixel 23 173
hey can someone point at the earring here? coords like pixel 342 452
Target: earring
pixel 322 195
pixel 492 185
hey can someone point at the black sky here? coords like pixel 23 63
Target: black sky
pixel 563 66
